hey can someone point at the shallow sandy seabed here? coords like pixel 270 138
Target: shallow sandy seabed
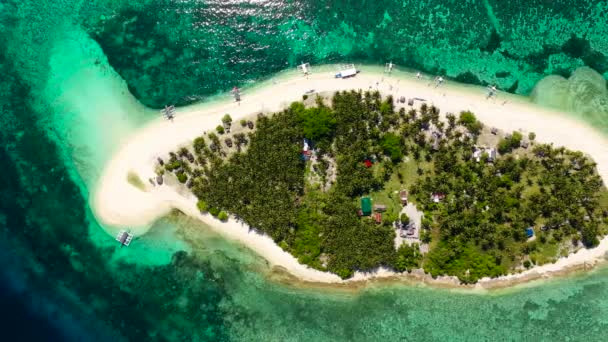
pixel 118 204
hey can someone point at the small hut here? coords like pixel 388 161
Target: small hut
pixel 437 197
pixel 366 206
pixel 378 218
pixel 492 154
pixel 403 197
pixel 379 208
pixel 529 232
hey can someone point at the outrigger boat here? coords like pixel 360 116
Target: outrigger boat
pixel 347 70
pixel 124 238
pixel 168 112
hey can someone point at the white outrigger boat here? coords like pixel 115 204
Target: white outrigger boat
pixel 304 68
pixel 347 70
pixel 124 238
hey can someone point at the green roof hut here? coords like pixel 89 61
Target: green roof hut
pixel 366 206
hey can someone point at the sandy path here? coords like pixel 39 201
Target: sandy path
pixel 116 203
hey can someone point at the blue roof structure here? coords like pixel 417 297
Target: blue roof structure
pixel 530 232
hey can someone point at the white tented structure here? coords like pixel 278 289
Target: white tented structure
pixel 304 68
pixel 347 70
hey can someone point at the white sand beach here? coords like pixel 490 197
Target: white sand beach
pixel 118 204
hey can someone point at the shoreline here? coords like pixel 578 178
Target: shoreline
pixel 116 203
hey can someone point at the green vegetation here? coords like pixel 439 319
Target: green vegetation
pixel 468 120
pixel 509 143
pixel 202 206
pixel 227 120
pixel 220 129
pixel 317 123
pixel 391 146
pixel 475 212
pixel 182 177
pixel 222 216
pixel 408 258
pixel 214 212
pixel 134 180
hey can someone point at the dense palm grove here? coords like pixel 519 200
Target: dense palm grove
pixel 477 229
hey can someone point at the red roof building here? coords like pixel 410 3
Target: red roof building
pixel 367 163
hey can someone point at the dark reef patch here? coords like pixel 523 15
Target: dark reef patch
pixel 469 78
pixel 502 74
pixel 513 88
pixel 578 47
pixel 493 43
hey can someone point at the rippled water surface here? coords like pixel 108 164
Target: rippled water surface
pixel 78 76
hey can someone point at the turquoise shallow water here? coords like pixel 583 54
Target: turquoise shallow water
pixel 77 76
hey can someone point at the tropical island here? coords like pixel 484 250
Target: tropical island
pixel 128 196
pixel 349 182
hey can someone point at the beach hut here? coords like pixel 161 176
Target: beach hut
pixel 378 217
pixel 379 208
pixel 366 206
pixel 403 197
pixel 437 197
pixel 306 150
pixel 477 154
pixel 492 154
pixel 529 232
